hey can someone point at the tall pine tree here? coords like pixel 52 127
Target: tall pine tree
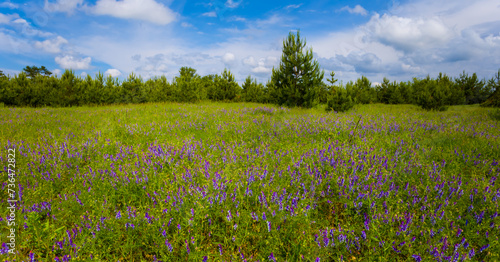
pixel 298 77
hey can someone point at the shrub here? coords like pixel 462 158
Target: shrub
pixel 339 101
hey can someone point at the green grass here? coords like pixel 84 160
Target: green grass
pixel 187 165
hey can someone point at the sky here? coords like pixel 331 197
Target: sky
pixel 394 39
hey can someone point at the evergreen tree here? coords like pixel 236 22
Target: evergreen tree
pixel 187 85
pixel 365 94
pixel 431 95
pixel 252 91
pixel 32 71
pixel 338 99
pixel 298 77
pixel 493 85
pixel 226 88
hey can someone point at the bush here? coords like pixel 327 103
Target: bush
pixel 431 95
pixel 339 101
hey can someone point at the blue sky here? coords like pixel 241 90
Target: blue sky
pixel 394 39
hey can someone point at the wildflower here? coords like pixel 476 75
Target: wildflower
pixel 169 246
pixel 272 258
pixel 417 258
pixel 484 247
pixel 471 253
pixel 205 259
pixel 118 215
pixel 220 249
pixel 268 226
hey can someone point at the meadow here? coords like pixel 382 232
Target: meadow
pixel 251 182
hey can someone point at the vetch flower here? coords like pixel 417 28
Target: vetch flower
pixel 169 246
pixel 417 258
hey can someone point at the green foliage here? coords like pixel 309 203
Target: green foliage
pixel 252 91
pixel 132 90
pixel 495 114
pixel 187 86
pixel 33 71
pixel 362 91
pixel 475 91
pixel 431 95
pixel 493 85
pixel 225 88
pixel 340 100
pixel 298 76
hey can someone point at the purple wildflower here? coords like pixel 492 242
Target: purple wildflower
pixel 169 246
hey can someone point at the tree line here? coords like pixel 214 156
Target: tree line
pixel 297 81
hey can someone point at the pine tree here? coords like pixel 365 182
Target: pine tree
pixel 494 85
pixel 187 85
pixel 298 77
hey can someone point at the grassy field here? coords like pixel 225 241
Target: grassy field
pixel 235 182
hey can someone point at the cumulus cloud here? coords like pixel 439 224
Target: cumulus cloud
pixel 362 62
pixel 408 34
pixel 71 62
pixel 146 10
pixel 51 45
pixel 359 10
pixel 64 6
pixel 249 61
pixel 261 68
pixel 5 19
pixel 228 58
pixel 113 72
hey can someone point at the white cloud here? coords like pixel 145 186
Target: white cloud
pixel 293 6
pixel 57 72
pixel 5 19
pixel 232 3
pixel 249 61
pixel 71 62
pixel 113 72
pixel 146 10
pixel 408 34
pixel 228 58
pixel 52 45
pixel 356 10
pixel 261 68
pixel 186 25
pixel 210 14
pixel 64 6
pixel 9 5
